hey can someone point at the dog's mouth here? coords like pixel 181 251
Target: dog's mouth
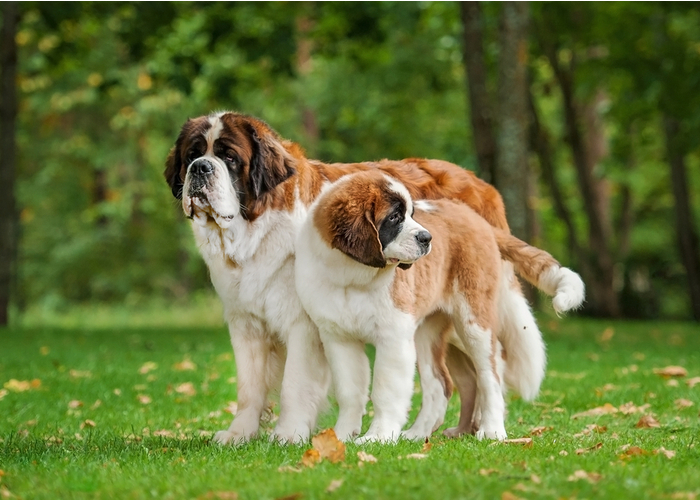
pixel 202 209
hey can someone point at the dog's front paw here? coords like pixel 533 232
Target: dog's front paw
pixel 415 434
pixel 290 436
pixel 228 437
pixel 378 438
pixel 498 433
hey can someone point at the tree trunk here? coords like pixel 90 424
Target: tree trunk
pixel 601 287
pixel 511 174
pixel 480 115
pixel 8 114
pixel 304 25
pixel 685 228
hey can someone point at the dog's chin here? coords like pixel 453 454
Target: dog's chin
pixel 202 211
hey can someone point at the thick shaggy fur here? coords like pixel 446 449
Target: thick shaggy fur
pixel 247 192
pixel 349 256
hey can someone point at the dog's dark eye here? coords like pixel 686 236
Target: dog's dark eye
pixel 193 155
pixel 229 158
pixel 395 217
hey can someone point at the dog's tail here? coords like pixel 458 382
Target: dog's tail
pixel 543 271
pixel 521 338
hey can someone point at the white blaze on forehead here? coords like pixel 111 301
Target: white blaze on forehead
pixel 214 132
pixel 424 206
pixel 400 189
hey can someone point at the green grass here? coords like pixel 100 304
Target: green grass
pixel 93 374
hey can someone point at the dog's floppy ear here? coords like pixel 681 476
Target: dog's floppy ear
pixel 270 164
pixel 173 165
pixel 359 239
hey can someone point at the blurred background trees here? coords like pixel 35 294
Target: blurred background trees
pixel 583 115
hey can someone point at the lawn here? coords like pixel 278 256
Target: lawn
pixel 129 411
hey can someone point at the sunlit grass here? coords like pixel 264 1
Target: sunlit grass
pixel 128 412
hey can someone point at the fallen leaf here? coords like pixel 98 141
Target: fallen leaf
pixel 117 392
pixel 185 365
pixel 426 446
pixel 563 453
pixel 231 408
pixel 647 422
pixel 87 423
pixel 683 403
pixel 293 496
pixel 310 457
pixel 4 492
pixel 507 495
pixel 667 453
pixel 634 451
pixel 3 393
pixel 671 371
pixel 692 382
pixel 15 385
pixel 366 457
pixel 535 479
pixel 672 383
pixel 526 441
pixel 417 456
pixel 606 409
pixel 164 433
pixel 592 477
pixel 80 373
pixel 590 428
pixel 487 472
pixel 329 446
pixel 630 408
pixel 96 404
pixel 143 399
pixel 335 484
pixel 219 495
pixel 186 388
pixel 148 366
pixel 596 446
pixel 75 404
pixel 607 335
pixel 537 431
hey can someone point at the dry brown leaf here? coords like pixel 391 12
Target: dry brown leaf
pixel 80 373
pixel 606 409
pixel 310 457
pixel 231 408
pixel 3 393
pixel 487 472
pixel 4 492
pixel 143 399
pixel 526 441
pixel 671 371
pixel 633 451
pixel 87 423
pixel 630 408
pixel 647 422
pixel 335 484
pixel 683 403
pixel 535 479
pixel 592 477
pixel 507 495
pixel 537 431
pixel 148 366
pixel 219 495
pixel 75 404
pixel 366 457
pixel 672 382
pixel 692 382
pixel 186 388
pixel 595 447
pixel 667 453
pixel 607 335
pixel 288 468
pixel 417 456
pixel 426 446
pixel 164 433
pixel 185 365
pixel 329 446
pixel 15 385
pixel 684 495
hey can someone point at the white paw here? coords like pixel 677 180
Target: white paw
pixel 496 433
pixel 415 434
pixel 346 434
pixel 226 437
pixel 290 436
pixel 378 438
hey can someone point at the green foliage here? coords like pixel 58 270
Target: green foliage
pixel 105 87
pixel 162 448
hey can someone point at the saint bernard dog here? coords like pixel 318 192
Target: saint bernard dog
pixel 372 266
pixel 247 192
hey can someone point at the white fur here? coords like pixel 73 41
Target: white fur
pixel 565 286
pixel 351 304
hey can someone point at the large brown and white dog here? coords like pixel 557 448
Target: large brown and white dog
pixel 348 253
pixel 248 192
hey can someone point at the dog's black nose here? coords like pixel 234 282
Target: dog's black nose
pixel 201 167
pixel 423 238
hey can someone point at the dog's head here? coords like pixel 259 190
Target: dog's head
pixel 368 217
pixel 224 163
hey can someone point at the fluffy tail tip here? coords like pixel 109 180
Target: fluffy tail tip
pixel 569 292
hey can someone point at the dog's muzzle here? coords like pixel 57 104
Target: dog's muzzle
pixel 423 238
pixel 199 172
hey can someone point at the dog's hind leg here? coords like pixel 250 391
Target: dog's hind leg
pixel 464 378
